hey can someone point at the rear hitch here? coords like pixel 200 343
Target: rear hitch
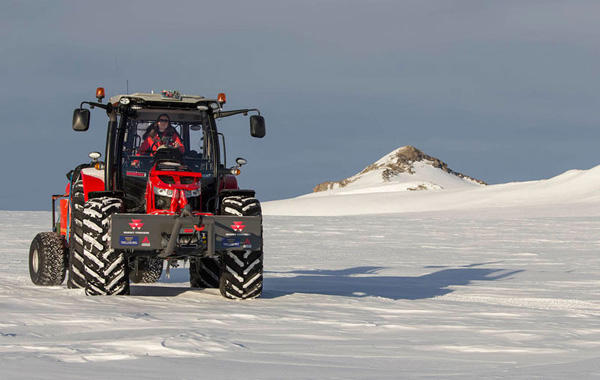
pixel 200 226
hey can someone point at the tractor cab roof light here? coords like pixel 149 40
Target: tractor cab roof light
pixel 221 98
pixel 100 94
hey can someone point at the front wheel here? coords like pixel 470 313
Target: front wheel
pixel 47 259
pixel 106 270
pixel 241 274
pixel 241 270
pixel 76 277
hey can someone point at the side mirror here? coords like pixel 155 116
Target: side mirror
pixel 257 126
pixel 81 120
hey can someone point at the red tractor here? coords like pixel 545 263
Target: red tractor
pixel 163 194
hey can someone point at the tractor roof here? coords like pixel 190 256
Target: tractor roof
pixel 166 98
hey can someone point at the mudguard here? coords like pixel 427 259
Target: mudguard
pixel 229 182
pixel 93 180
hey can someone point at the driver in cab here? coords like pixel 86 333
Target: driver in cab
pixel 160 134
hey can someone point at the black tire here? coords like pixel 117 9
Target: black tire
pixel 148 270
pixel 76 277
pixel 106 270
pixel 240 206
pixel 47 259
pixel 205 272
pixel 241 274
pixel 241 270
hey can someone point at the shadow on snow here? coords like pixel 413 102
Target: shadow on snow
pixel 364 282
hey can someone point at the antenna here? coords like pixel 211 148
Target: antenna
pixel 127 86
pixel 116 73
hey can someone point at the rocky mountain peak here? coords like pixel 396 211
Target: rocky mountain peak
pixel 401 160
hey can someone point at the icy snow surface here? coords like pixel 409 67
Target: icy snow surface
pixel 494 282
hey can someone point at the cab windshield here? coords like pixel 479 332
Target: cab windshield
pixel 185 138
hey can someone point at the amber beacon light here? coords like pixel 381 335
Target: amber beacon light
pixel 221 98
pixel 100 94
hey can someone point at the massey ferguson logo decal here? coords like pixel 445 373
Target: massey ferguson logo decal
pixel 238 226
pixel 136 224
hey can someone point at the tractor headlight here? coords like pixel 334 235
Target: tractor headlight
pixel 192 193
pixel 163 192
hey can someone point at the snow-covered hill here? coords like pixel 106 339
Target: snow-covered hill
pixel 571 187
pixel 404 169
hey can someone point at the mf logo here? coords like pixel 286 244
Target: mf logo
pixel 136 224
pixel 238 226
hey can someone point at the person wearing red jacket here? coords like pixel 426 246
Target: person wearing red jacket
pixel 159 134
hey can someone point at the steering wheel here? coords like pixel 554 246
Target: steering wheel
pixel 164 142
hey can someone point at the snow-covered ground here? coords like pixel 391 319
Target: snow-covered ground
pixel 494 282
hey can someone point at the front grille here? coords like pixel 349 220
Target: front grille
pixel 167 179
pixel 187 180
pixel 170 166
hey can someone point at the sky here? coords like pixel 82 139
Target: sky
pixel 500 91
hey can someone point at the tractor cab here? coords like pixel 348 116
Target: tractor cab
pixel 189 148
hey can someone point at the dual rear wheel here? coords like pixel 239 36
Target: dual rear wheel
pixel 145 270
pixel 47 259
